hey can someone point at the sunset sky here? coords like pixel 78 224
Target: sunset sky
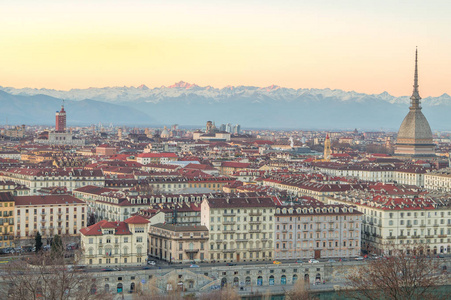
pixel 365 46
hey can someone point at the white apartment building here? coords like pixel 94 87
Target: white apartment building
pixel 439 180
pixel 406 174
pixel 390 221
pixel 49 215
pixel 115 243
pixel 241 228
pixel 35 179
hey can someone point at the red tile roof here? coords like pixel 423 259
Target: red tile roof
pixel 47 200
pixel 136 220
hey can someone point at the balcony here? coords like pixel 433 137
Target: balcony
pixel 415 236
pixel 435 225
pixel 422 225
pixel 255 249
pixel 255 231
pixel 409 225
pixel 229 250
pixel 255 222
pixel 390 237
pixel 59 213
pixel 193 250
pixel 442 236
pixel 242 240
pixel 228 222
pixel 219 241
pixel 255 214
pixel 429 236
pixel 229 214
pixel 43 213
pixel 402 237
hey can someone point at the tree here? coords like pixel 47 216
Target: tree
pixel 44 276
pixel 400 276
pixel 299 291
pixel 57 246
pixel 38 241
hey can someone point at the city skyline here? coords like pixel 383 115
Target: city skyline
pixel 356 46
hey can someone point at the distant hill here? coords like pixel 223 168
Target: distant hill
pixel 40 109
pixel 266 107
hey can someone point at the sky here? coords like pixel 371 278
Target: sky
pixel 364 46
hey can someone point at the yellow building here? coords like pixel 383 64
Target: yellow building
pixel 6 220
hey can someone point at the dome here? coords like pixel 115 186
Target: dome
pixel 165 133
pixel 415 129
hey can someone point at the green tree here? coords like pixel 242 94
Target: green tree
pixel 38 241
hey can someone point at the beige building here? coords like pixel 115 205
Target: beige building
pixel 316 230
pixel 241 228
pixel 178 244
pixel 115 243
pixel 49 215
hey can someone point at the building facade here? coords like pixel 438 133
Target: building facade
pixel 49 215
pixel 178 244
pixel 241 228
pixel 317 231
pixel 115 243
pixel 7 204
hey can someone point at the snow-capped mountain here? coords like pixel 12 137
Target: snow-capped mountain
pixel 271 106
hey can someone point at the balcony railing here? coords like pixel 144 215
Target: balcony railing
pixel 193 250
pixel 255 214
pixel 228 222
pixel 255 249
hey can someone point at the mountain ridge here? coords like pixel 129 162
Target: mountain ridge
pixel 260 107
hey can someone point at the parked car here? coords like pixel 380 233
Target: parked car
pixel 359 258
pixel 331 260
pixel 107 270
pixel 313 261
pixel 194 266
pixel 299 261
pixel 151 262
pixel 276 262
pixel 231 264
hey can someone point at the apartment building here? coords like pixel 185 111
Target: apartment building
pixel 401 221
pixel 69 178
pixel 49 215
pixel 439 180
pixel 178 244
pixel 6 220
pixel 241 228
pixel 156 158
pixel 115 243
pixel 316 230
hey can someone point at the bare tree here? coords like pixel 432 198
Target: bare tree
pixel 400 276
pixel 298 292
pixel 47 276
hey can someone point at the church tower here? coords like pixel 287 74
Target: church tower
pixel 327 150
pixel 60 124
pixel 415 135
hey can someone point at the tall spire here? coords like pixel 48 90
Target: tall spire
pixel 415 98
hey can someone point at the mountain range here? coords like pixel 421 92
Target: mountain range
pixel 259 107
